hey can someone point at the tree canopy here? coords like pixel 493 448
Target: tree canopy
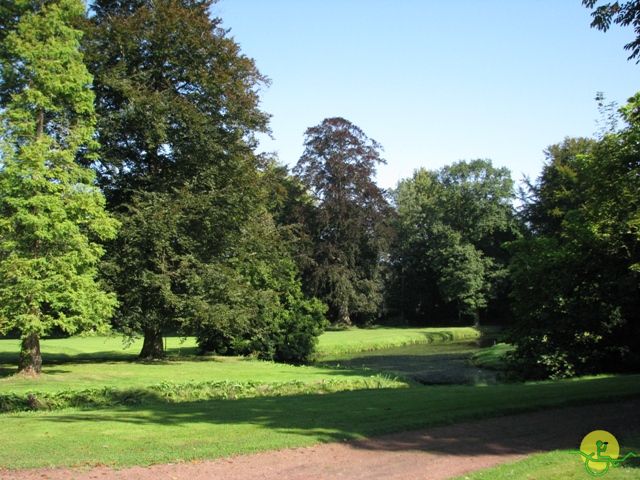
pixel 53 216
pixel 619 13
pixel 448 258
pixel 349 224
pixel 575 275
pixel 178 109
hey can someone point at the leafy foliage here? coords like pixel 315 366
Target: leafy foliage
pixel 575 277
pixel 349 224
pixel 448 258
pixel 262 309
pixel 620 13
pixel 178 109
pixel 53 217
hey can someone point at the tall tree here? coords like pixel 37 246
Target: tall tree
pixel 576 276
pixel 52 214
pixel 350 223
pixel 178 109
pixel 448 258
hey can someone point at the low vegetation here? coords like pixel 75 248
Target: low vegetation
pixel 94 372
pixel 564 464
pixel 339 343
pixel 493 357
pixel 169 432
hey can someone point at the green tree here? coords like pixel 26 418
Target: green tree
pixel 52 214
pixel 349 224
pixel 177 104
pixel 448 258
pixel 259 307
pixel 575 275
pixel 556 193
pixel 620 13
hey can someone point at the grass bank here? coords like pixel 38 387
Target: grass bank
pixel 492 357
pixel 96 372
pixel 113 348
pixel 336 344
pixel 560 464
pixel 168 432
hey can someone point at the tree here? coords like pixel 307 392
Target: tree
pixel 575 275
pixel 52 214
pixel 556 193
pixel 620 13
pixel 259 307
pixel 448 258
pixel 349 224
pixel 177 104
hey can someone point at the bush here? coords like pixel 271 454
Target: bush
pixel 264 312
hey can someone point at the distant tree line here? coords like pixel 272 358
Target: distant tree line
pixel 132 198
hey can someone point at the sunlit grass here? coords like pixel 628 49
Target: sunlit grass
pixel 167 432
pixel 561 465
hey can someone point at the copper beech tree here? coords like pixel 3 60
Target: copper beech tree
pixel 349 224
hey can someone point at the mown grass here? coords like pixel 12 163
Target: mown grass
pixel 335 344
pixel 78 376
pixel 102 371
pixel 96 362
pixel 558 465
pixel 114 348
pixel 94 348
pixel 168 432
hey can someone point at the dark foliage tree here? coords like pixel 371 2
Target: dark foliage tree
pixel 620 13
pixel 177 104
pixel 258 306
pixel 576 275
pixel 448 259
pixel 349 224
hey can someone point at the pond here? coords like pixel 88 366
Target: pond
pixel 428 364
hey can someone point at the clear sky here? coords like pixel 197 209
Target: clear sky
pixel 433 81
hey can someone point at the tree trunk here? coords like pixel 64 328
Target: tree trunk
pixel 343 317
pixel 476 319
pixel 30 362
pixel 40 124
pixel 152 348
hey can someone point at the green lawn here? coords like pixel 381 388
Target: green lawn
pixel 179 416
pixel 165 432
pixel 77 364
pixel 336 344
pixel 330 343
pixel 93 348
pixel 77 376
pixel 89 362
pixel 561 465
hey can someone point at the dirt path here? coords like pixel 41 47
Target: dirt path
pixel 434 453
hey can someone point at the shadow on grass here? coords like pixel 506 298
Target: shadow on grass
pixel 9 360
pixel 353 415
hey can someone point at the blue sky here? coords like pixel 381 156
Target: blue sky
pixel 433 81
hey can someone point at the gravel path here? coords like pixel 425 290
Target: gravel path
pixel 433 453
